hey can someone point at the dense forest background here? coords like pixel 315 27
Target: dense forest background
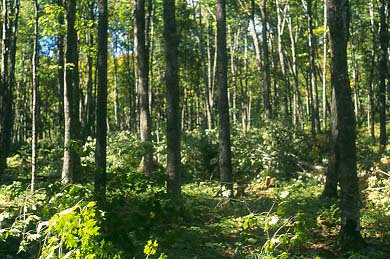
pixel 194 129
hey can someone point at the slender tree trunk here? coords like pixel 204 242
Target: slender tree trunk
pixel 202 54
pixel 355 79
pixel 246 100
pixel 71 101
pixel 273 66
pixel 143 88
pixel 117 117
pixel 266 69
pixel 101 107
pixel 325 54
pixel 4 91
pixel 296 94
pixel 383 74
pixel 371 111
pixel 61 63
pixel 149 32
pixel 315 119
pixel 257 49
pixel 34 99
pixel 345 147
pixel 330 189
pixel 233 45
pixel 89 114
pixel 225 162
pixel 173 98
pixel 281 20
pixel 210 72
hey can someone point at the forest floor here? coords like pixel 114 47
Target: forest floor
pixel 270 216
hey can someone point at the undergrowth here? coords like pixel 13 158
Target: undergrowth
pixel 277 211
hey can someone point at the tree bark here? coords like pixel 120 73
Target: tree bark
pixel 345 147
pixel 202 56
pixel 89 112
pixel 34 99
pixel 101 104
pixel 266 69
pixel 325 54
pixel 383 74
pixel 146 165
pixel 331 182
pixel 294 71
pixel 4 91
pixel 281 21
pixel 225 161
pixel 117 116
pixel 61 63
pixel 9 34
pixel 173 101
pixel 71 163
pixel 315 119
pixel 371 111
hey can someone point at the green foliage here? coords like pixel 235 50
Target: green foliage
pixel 276 150
pixel 151 249
pixel 48 21
pixel 63 197
pixel 74 233
pixel 200 155
pixel 138 209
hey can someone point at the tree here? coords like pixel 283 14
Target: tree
pixel 266 70
pixel 225 160
pixel 61 64
pixel 143 88
pixel 383 73
pixel 324 69
pixel 90 102
pixel 4 91
pixel 8 52
pixel 101 104
pixel 315 118
pixel 173 98
pixel 34 99
pixel 71 98
pixel 345 147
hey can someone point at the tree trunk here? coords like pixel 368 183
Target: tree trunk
pixel 71 163
pixel 89 111
pixel 371 111
pixel 101 104
pixel 210 72
pixel 315 119
pixel 4 91
pixel 117 117
pixel 199 40
pixel 34 100
pixel 173 98
pixel 325 54
pixel 266 69
pixel 280 30
pixel 143 89
pixel 383 74
pixel 225 161
pixel 7 80
pixel 233 45
pixel 294 70
pixel 345 147
pixel 61 63
pixel 330 189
